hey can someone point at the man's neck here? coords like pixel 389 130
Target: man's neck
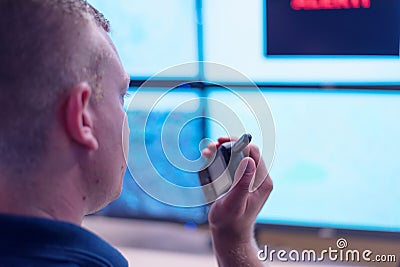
pixel 34 197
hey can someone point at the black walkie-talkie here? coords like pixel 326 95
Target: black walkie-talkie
pixel 218 175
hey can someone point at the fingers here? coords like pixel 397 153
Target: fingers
pixel 212 147
pixel 251 150
pixel 225 139
pixel 209 150
pixel 244 174
pixel 258 198
pixel 236 199
pixel 265 188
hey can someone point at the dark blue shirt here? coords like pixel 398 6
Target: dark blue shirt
pixel 34 242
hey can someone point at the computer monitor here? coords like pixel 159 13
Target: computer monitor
pixel 293 42
pixel 161 123
pixel 336 162
pixel 153 35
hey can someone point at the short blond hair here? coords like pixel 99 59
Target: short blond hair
pixel 38 65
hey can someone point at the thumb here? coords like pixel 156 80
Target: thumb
pixel 244 175
pixel 237 197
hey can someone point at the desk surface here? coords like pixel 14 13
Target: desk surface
pixel 146 243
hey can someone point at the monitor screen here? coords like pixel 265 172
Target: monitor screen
pixel 334 28
pixel 337 156
pixel 166 129
pixel 153 35
pixel 304 42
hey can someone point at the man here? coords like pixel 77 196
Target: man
pixel 62 88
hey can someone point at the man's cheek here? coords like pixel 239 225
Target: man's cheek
pixel 125 138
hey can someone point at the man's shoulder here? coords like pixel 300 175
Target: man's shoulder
pixel 27 241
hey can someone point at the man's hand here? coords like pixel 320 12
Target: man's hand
pixel 232 217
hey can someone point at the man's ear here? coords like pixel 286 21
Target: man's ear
pixel 78 118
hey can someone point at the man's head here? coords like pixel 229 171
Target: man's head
pixel 61 85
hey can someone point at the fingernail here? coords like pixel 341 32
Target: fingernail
pixel 249 168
